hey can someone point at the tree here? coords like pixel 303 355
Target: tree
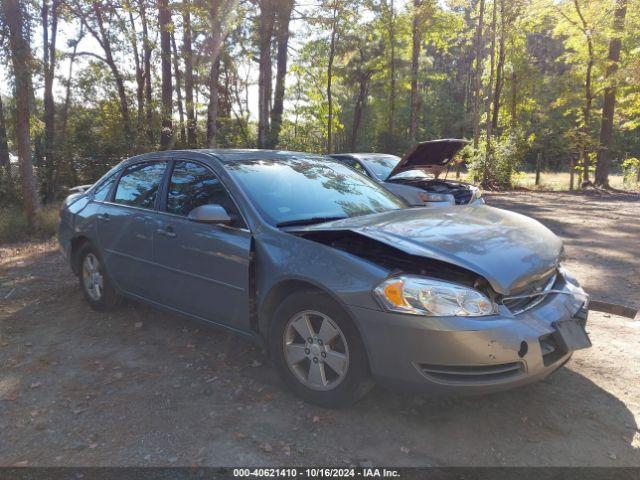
pixel 187 54
pixel 609 102
pixel 49 36
pixel 332 53
pixel 391 29
pixel 359 70
pixel 282 18
pixel 416 39
pixel 495 112
pixel 479 44
pixel 164 23
pixel 21 59
pixel 265 34
pixel 4 147
pixel 147 49
pixel 487 176
pixel 178 76
pixel 216 16
pixel 96 19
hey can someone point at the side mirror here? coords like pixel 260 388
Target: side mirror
pixel 210 214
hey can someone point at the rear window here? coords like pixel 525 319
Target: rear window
pixel 139 184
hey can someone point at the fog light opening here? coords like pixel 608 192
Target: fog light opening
pixel 524 348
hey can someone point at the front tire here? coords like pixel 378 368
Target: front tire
pixel 95 284
pixel 318 351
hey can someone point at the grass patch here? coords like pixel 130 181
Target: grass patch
pixel 557 181
pixel 15 228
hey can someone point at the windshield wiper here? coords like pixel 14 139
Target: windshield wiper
pixel 308 221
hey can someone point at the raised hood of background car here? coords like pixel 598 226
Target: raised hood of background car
pixel 429 154
pixel 508 249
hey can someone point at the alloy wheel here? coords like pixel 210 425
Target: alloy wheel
pixel 316 350
pixel 92 277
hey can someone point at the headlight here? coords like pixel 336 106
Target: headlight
pixel 434 298
pixel 436 197
pixel 573 285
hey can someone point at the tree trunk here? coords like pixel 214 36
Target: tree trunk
pixel 499 71
pixel 265 33
pixel 332 52
pixel 21 60
pixel 67 101
pixel 164 21
pixel 138 69
pixel 283 17
pixel 187 53
pixel 478 80
pixel 103 39
pixel 415 57
pixel 358 109
pixel 215 21
pixel 513 111
pixel 4 146
pixel 49 35
pixel 147 51
pixel 588 95
pixel 609 102
pixel 488 173
pixel 178 75
pixel 392 73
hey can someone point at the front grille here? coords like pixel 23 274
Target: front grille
pixel 471 373
pixel 534 294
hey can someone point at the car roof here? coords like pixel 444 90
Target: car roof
pixel 246 154
pixel 363 155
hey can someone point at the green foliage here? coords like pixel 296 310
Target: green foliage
pixel 14 226
pixel 631 171
pixel 541 108
pixel 508 152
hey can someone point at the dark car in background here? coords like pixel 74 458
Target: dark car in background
pixel 330 272
pixel 414 177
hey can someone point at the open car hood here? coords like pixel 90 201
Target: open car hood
pixel 508 249
pixel 429 154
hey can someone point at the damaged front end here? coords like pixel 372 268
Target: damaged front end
pixel 460 192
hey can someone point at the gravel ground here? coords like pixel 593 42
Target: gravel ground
pixel 139 387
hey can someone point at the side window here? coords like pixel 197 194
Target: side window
pixel 356 164
pixel 101 193
pixel 192 185
pixel 353 164
pixel 139 184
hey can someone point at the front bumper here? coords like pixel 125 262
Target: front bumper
pixel 469 356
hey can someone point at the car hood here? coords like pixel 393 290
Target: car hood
pixel 429 154
pixel 508 249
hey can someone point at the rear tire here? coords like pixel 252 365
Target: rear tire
pixel 95 284
pixel 318 351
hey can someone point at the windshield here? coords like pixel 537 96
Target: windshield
pixel 381 165
pixel 309 188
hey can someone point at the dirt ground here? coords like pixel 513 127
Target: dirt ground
pixel 139 387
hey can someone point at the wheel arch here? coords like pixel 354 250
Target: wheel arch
pixel 76 245
pixel 286 287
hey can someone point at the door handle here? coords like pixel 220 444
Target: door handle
pixel 105 217
pixel 166 231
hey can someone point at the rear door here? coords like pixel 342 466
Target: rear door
pixel 126 224
pixel 204 267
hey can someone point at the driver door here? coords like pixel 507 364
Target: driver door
pixel 204 268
